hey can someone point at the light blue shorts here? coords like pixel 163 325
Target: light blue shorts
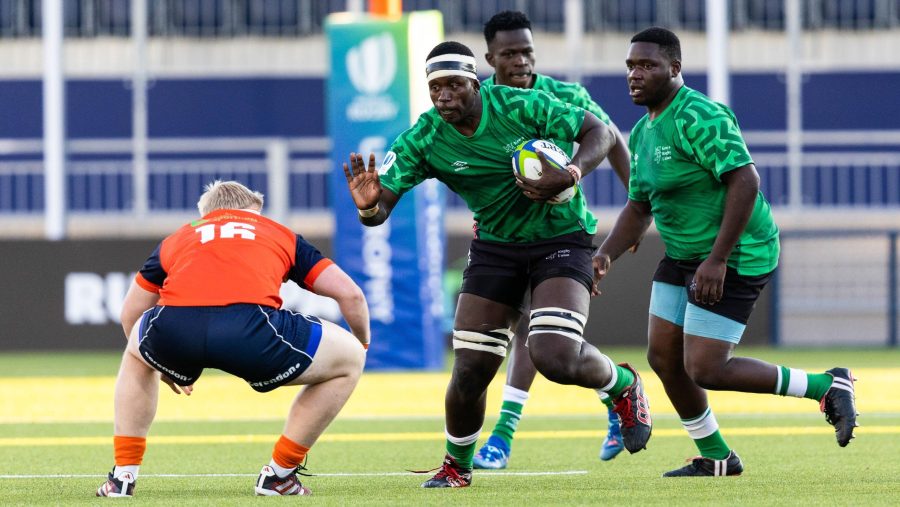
pixel 670 302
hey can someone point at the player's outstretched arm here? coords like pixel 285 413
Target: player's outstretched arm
pixel 334 283
pixel 373 201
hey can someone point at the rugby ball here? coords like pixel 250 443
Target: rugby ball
pixel 526 163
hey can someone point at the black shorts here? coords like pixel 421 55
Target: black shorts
pixel 506 272
pixel 740 292
pixel 264 346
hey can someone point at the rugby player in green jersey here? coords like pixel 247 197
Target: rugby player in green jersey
pixel 523 245
pixel 510 51
pixel 691 172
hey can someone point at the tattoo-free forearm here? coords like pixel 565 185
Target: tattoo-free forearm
pixel 630 226
pixel 594 142
pixel 743 189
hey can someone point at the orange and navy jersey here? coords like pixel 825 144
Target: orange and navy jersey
pixel 230 256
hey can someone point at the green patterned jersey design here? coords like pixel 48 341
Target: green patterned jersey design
pixel 677 162
pixel 570 93
pixel 478 168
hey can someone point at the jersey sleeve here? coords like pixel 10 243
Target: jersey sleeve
pixel 634 188
pixel 710 135
pixel 308 264
pixel 404 166
pixel 152 275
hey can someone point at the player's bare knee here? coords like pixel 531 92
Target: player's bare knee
pixel 471 376
pixel 704 374
pixel 557 369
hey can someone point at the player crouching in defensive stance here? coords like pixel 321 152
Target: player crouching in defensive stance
pixel 208 297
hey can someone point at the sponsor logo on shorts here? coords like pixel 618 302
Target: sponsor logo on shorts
pixel 167 371
pixel 278 378
pixel 565 252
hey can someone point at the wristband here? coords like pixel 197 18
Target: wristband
pixel 368 213
pixel 575 171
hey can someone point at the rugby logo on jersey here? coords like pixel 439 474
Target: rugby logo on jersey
pixel 460 165
pixel 662 154
pixel 389 159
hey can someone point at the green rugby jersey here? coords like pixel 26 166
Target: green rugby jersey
pixel 570 93
pixel 479 168
pixel 677 161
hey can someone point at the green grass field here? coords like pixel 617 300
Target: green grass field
pixel 56 423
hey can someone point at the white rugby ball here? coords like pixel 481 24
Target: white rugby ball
pixel 526 163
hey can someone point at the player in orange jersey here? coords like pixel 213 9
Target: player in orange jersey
pixel 208 297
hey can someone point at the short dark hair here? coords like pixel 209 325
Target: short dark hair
pixel 505 21
pixel 667 40
pixel 450 48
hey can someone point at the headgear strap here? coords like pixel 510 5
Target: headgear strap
pixel 451 65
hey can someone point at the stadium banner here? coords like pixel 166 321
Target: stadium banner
pixel 67 295
pixel 376 90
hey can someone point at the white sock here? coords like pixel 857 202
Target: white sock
pixel 280 471
pixel 470 439
pixel 510 393
pixel 127 468
pixel 702 426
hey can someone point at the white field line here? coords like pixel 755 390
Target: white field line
pixel 367 474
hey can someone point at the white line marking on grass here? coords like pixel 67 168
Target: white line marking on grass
pixel 366 474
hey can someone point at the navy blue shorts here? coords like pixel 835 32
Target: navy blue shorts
pixel 264 346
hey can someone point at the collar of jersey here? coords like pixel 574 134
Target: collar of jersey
pixel 679 97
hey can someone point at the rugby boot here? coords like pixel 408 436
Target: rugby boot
pixel 708 467
pixel 633 409
pixel 839 405
pixel 612 444
pixel 493 455
pixel 450 475
pixel 269 484
pixel 121 486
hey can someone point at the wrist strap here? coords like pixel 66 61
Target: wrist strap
pixel 368 213
pixel 575 171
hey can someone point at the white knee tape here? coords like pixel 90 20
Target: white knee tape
pixel 552 320
pixel 495 341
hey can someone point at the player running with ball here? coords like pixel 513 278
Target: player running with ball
pixel 511 53
pixel 522 244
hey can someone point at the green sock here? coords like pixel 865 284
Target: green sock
pixel 713 446
pixel 804 385
pixel 510 413
pixel 625 378
pixel 817 384
pixel 463 454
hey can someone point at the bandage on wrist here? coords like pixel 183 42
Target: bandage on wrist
pixel 368 213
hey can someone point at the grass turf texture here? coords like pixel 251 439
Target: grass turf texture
pixel 789 452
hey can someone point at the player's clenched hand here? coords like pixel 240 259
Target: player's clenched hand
pixel 601 263
pixel 365 187
pixel 708 285
pixel 551 182
pixel 177 389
